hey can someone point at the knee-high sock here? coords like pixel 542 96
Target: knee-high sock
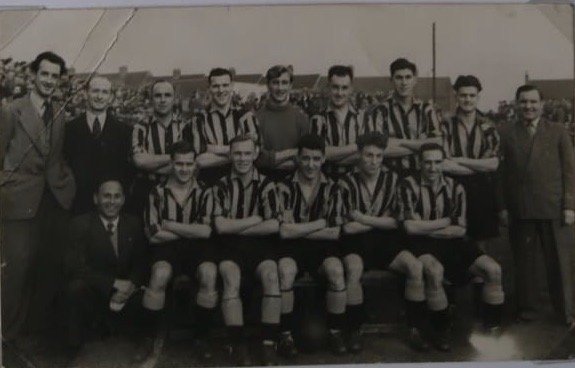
pixel 416 313
pixel 204 321
pixel 287 317
pixel 355 316
pixel 233 312
pixel 271 309
pixel 335 304
pixel 436 299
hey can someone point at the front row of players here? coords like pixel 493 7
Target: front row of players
pixel 262 231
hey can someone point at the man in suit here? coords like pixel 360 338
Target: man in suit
pixel 538 199
pixel 36 191
pixel 106 260
pixel 96 142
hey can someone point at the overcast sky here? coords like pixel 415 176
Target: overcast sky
pixel 497 43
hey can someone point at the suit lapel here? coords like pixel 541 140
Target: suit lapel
pixel 103 238
pixel 124 240
pixel 33 125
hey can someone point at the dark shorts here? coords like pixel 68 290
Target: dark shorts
pixel 185 255
pixel 377 248
pixel 248 251
pixel 482 217
pixel 308 254
pixel 456 255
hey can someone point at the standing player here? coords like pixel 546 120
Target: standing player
pixel 177 221
pixel 219 124
pixel 310 227
pixel 409 122
pixel 281 125
pixel 150 142
pixel 246 220
pixel 372 237
pixel 433 209
pixel 340 123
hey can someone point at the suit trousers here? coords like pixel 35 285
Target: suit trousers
pixel 32 267
pixel 557 244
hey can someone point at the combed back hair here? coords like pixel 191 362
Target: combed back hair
pixel 244 138
pixel 312 142
pixel 105 178
pixel 181 148
pixel 161 81
pixel 528 88
pixel 277 70
pixel 96 76
pixel 51 57
pixel 376 139
pixel 218 72
pixel 340 71
pixel 467 81
pixel 431 147
pixel 400 64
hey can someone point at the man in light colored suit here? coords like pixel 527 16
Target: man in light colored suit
pixel 36 190
pixel 538 199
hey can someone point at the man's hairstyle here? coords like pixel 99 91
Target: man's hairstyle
pixel 312 142
pixel 243 138
pixel 372 139
pixel 467 81
pixel 528 88
pixel 96 76
pixel 181 148
pixel 105 178
pixel 277 70
pixel 400 64
pixel 51 57
pixel 158 82
pixel 431 147
pixel 340 71
pixel 218 72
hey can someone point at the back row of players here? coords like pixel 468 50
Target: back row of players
pixel 345 191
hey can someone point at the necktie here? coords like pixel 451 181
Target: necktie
pixel 113 237
pixel 97 127
pixel 531 129
pixel 48 114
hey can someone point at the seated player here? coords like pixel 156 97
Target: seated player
pixel 245 218
pixel 177 221
pixel 106 261
pixel 432 207
pixel 311 216
pixel 371 238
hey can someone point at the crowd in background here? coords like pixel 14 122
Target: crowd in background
pixel 133 104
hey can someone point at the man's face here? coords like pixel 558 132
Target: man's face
pixel 47 78
pixel 431 164
pixel 279 89
pixel 370 160
pixel 467 98
pixel 99 94
pixel 163 98
pixel 243 154
pixel 183 167
pixel 340 90
pixel 309 163
pixel 109 199
pixel 529 105
pixel 403 82
pixel 221 90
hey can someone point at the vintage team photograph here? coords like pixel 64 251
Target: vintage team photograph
pixel 287 185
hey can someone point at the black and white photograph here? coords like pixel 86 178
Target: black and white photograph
pixel 266 185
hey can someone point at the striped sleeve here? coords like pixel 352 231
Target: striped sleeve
pixel 269 203
pixel 346 197
pixel 335 207
pixel 377 120
pixel 250 125
pixel 459 205
pixel 446 137
pixel 221 200
pixel 317 126
pixel 152 210
pixel 207 206
pixel 432 126
pixel 492 142
pixel 406 198
pixel 138 139
pixel 285 207
pixel 191 133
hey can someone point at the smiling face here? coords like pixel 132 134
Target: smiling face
pixel 279 89
pixel 163 98
pixel 530 105
pixel 242 155
pixel 109 199
pixel 431 162
pixel 99 94
pixel 47 78
pixel 309 163
pixel 183 167
pixel 221 90
pixel 403 82
pixel 370 160
pixel 340 90
pixel 467 98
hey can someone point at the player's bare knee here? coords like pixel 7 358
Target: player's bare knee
pixel 287 270
pixel 353 267
pixel 207 274
pixel 231 275
pixel 433 272
pixel 333 270
pixel 268 273
pixel 414 269
pixel 161 274
pixel 492 271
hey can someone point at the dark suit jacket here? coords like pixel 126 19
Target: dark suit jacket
pixel 538 175
pixel 91 157
pixel 31 160
pixel 91 255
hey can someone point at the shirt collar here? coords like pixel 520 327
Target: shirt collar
pixel 105 222
pixel 424 182
pixel 37 102
pixel 296 178
pixel 255 175
pixel 350 108
pixel 535 123
pixel 394 100
pixel 90 117
pixel 213 108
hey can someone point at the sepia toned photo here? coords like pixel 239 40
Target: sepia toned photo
pixel 287 185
